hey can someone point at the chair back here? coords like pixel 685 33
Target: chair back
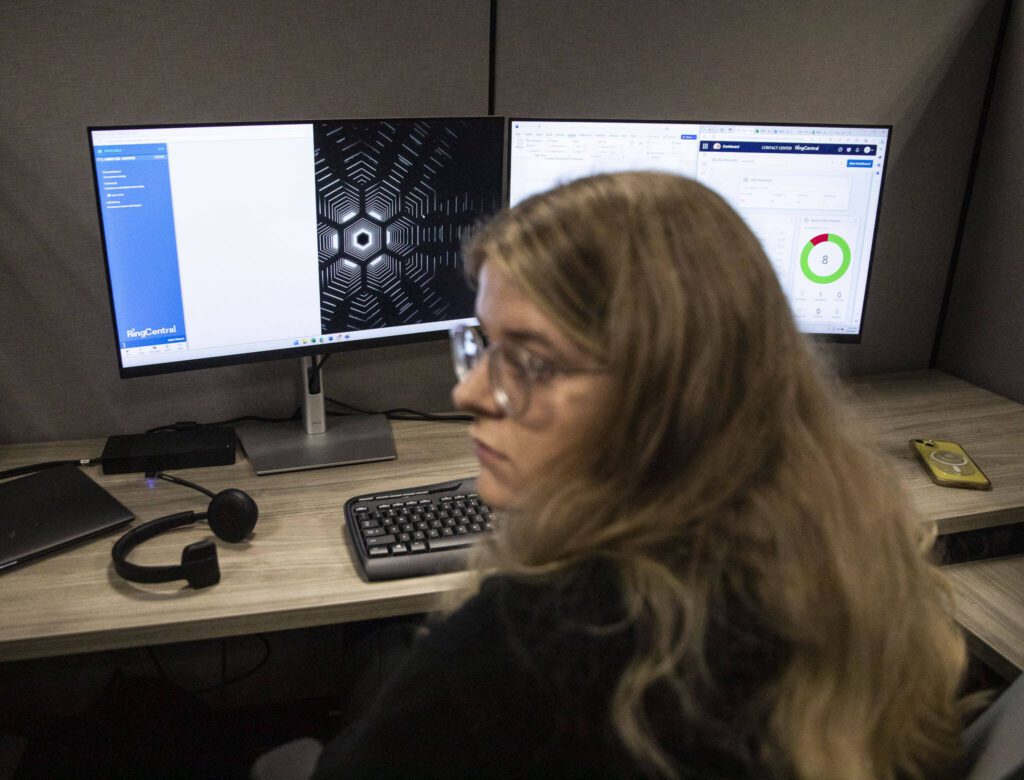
pixel 995 741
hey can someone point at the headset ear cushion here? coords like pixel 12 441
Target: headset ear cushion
pixel 199 564
pixel 232 515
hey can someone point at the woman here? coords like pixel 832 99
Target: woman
pixel 700 572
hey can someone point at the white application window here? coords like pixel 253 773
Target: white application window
pixel 547 153
pixel 245 219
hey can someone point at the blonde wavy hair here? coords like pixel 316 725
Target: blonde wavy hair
pixel 725 476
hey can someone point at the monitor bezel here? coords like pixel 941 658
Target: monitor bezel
pixel 835 338
pixel 195 364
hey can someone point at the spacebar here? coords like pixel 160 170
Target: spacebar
pixel 451 542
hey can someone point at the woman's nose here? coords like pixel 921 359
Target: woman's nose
pixel 474 392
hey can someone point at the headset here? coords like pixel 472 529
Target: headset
pixel 232 515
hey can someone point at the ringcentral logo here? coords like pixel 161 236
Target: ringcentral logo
pixel 134 333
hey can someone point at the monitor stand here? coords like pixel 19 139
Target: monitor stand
pixel 318 441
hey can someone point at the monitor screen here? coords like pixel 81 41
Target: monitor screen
pixel 810 194
pixel 238 242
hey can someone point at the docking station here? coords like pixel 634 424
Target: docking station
pixel 172 449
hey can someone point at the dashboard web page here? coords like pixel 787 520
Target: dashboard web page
pixel 809 193
pixel 238 239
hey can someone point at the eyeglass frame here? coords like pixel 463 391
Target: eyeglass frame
pixel 535 370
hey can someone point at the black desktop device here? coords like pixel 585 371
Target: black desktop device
pixel 172 449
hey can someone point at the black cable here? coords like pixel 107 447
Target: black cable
pixel 353 407
pixel 180 481
pixel 257 418
pixel 181 425
pixel 50 464
pixel 415 415
pixel 188 425
pixel 402 413
pixel 315 388
pixel 225 680
pixel 244 675
pixel 156 662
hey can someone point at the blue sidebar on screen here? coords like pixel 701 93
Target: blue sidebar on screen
pixel 138 225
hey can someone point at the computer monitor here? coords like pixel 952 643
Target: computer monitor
pixel 233 243
pixel 810 193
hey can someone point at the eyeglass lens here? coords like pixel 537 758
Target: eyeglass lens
pixel 508 377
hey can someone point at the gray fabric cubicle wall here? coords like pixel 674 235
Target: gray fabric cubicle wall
pixel 983 336
pixel 67 64
pixel 920 66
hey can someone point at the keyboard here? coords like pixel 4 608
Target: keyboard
pixel 416 531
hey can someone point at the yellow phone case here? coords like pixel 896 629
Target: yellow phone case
pixel 948 464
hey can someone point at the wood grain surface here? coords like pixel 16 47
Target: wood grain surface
pixel 296 570
pixel 895 408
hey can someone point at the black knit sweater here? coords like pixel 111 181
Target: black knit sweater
pixel 518 683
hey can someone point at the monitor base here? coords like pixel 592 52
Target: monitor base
pixel 274 448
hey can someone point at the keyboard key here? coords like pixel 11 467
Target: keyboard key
pixel 399 549
pixel 377 550
pixel 450 542
pixel 418 547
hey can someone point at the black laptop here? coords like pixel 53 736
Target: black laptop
pixel 53 509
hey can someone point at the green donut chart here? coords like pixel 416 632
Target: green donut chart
pixel 805 255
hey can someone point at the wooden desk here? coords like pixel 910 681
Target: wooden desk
pixel 930 404
pixel 895 408
pixel 990 607
pixel 299 571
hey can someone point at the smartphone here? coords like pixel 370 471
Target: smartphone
pixel 948 464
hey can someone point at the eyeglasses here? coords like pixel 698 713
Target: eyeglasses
pixel 513 371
